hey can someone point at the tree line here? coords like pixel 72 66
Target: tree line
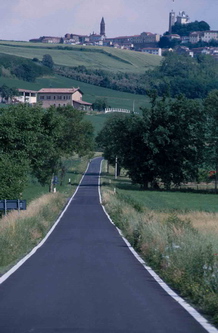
pixel 168 144
pixel 33 142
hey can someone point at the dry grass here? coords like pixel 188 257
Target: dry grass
pixel 206 223
pixel 32 210
pixel 21 231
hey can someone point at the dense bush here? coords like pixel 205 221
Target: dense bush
pixel 24 69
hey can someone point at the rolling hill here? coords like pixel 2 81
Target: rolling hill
pixel 93 57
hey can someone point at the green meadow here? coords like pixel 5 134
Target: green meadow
pixel 93 57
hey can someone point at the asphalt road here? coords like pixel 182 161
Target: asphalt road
pixel 84 279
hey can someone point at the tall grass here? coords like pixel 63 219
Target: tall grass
pixel 20 232
pixel 181 246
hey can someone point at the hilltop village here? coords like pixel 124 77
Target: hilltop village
pixel 183 41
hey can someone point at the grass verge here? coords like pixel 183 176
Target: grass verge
pixel 181 245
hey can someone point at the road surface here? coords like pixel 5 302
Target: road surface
pixel 84 279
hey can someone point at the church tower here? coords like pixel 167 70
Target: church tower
pixel 102 27
pixel 172 20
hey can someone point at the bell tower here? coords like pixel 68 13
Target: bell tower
pixel 172 20
pixel 102 27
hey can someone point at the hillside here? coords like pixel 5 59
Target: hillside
pixel 116 99
pixel 92 57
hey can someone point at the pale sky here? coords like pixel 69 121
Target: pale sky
pixel 26 19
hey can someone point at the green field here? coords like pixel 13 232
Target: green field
pixel 115 98
pixel 164 201
pixel 93 57
pixel 174 201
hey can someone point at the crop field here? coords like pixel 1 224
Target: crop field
pixel 105 58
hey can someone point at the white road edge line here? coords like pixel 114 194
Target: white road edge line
pixel 24 259
pixel 197 316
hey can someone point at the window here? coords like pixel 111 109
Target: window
pixel 42 97
pixel 48 97
pixel 54 97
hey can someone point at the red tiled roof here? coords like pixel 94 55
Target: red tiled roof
pixel 28 91
pixel 82 102
pixel 150 48
pixel 59 90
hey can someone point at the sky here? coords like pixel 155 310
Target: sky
pixel 27 19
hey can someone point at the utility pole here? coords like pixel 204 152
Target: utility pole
pixel 115 171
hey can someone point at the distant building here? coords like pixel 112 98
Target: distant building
pixel 102 27
pixel 195 36
pixel 137 42
pixel 145 39
pixel 47 39
pixel 182 18
pixel 26 96
pixel 183 50
pixel 173 36
pixel 96 38
pixel 213 51
pixel 204 36
pixel 75 39
pixel 62 97
pixel 152 50
pixel 209 35
pixel 172 20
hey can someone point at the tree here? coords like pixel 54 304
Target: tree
pixel 211 110
pixel 100 104
pixel 165 144
pixel 35 140
pixel 63 133
pixel 7 92
pixel 48 61
pixel 185 29
pixel 25 72
pixel 13 177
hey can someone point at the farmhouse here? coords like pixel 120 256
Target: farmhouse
pixel 26 96
pixel 63 97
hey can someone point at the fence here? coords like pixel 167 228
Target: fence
pixel 107 110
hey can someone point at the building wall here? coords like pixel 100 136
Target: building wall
pixel 205 36
pixel 77 96
pixel 27 96
pixel 58 99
